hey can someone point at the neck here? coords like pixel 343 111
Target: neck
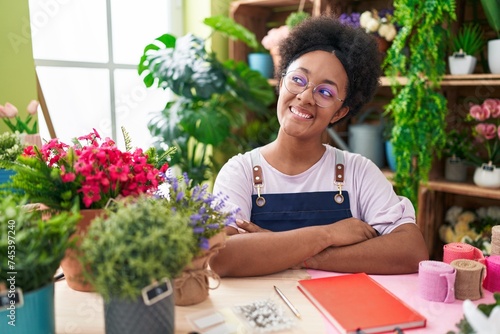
pixel 291 155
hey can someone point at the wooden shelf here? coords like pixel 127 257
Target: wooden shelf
pixel 467 189
pixel 455 80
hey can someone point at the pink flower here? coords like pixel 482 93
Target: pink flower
pixel 479 113
pixel 495 112
pixel 9 110
pixel 275 36
pixel 32 107
pixel 486 130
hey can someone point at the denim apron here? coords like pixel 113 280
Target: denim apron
pixel 283 212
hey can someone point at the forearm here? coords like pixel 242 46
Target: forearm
pixel 398 252
pixel 254 254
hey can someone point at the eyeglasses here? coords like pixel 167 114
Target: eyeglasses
pixel 324 95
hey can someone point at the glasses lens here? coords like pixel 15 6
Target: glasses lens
pixel 324 95
pixel 296 82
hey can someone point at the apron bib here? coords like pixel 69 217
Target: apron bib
pixel 283 212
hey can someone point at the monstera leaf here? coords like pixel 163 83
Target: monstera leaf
pixel 184 66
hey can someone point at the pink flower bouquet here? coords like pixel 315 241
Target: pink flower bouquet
pixel 486 132
pixel 9 112
pixel 87 175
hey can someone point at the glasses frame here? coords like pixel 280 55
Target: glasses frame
pixel 309 83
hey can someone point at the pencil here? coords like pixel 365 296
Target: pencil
pixel 287 302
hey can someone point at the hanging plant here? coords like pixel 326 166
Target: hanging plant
pixel 418 108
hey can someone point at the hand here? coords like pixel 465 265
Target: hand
pixel 244 226
pixel 351 231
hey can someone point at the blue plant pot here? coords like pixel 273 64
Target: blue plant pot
pixel 389 154
pixel 5 175
pixel 261 62
pixel 36 316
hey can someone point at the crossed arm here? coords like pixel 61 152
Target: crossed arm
pixel 349 245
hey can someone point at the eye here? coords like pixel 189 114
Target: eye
pixel 326 91
pixel 299 80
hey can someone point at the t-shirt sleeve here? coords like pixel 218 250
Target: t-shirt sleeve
pixel 376 201
pixel 234 182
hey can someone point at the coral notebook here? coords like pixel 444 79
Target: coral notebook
pixel 356 302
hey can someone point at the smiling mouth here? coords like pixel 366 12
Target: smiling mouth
pixel 298 113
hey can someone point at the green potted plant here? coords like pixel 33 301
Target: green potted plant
pixel 10 148
pixel 468 42
pixel 211 104
pixel 130 258
pixel 418 108
pixel 456 147
pixel 32 248
pixel 259 59
pixel 492 12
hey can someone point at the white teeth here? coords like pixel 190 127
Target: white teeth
pixel 296 112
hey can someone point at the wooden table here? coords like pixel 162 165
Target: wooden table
pixel 82 312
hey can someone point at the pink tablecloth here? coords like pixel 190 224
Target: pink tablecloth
pixel 441 317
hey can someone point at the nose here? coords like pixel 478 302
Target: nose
pixel 308 94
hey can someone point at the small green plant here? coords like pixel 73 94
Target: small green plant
pixel 141 241
pixel 296 18
pixel 469 40
pixel 10 147
pixel 457 145
pixel 30 245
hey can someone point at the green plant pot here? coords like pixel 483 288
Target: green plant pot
pixel 130 317
pixel 36 316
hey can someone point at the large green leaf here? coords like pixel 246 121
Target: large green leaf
pixel 492 12
pixel 233 30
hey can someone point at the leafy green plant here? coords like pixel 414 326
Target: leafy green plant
pixel 213 98
pixel 492 12
pixel 30 245
pixel 141 241
pixel 469 40
pixel 10 147
pixel 418 108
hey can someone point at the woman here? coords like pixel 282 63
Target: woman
pixel 302 203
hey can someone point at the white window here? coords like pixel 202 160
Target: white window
pixel 86 55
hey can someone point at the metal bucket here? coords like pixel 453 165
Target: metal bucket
pixel 367 139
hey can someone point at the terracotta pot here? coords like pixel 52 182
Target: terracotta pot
pixel 31 139
pixel 71 266
pixel 192 286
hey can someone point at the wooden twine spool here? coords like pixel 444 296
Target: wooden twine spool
pixel 469 279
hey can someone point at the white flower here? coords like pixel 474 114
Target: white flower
pixel 479 322
pixel 452 214
pixel 387 31
pixel 365 18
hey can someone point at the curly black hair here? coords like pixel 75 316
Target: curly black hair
pixel 356 50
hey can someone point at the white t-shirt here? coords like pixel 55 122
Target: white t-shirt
pixel 371 195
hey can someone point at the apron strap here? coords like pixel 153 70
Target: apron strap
pixel 339 175
pixel 258 181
